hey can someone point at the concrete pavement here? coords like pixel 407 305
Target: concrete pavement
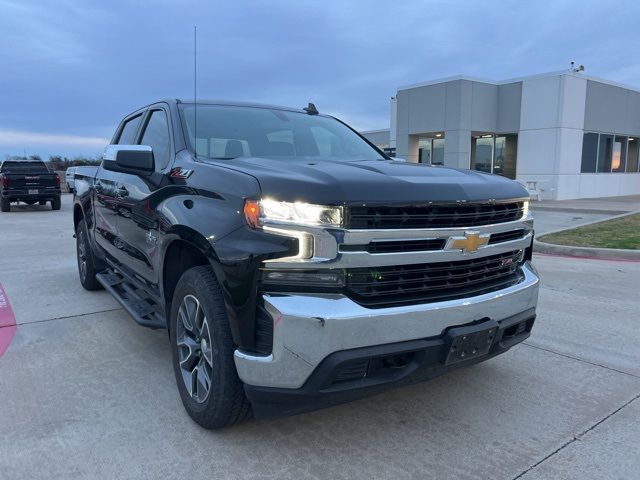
pixel 611 205
pixel 87 393
pixel 552 215
pixel 550 220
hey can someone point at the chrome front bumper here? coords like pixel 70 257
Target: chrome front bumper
pixel 308 328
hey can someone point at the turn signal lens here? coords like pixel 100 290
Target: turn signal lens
pixel 5 181
pixel 57 180
pixel 252 213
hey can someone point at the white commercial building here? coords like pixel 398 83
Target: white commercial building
pixel 573 135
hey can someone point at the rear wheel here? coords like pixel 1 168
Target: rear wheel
pixel 5 205
pixel 86 263
pixel 56 203
pixel 202 350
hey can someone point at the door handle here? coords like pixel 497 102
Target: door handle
pixel 122 192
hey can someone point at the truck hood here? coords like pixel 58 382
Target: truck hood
pixel 374 181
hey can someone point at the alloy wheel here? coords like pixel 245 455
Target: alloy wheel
pixel 82 255
pixel 195 351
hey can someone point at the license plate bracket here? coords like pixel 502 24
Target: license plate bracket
pixel 33 192
pixel 473 341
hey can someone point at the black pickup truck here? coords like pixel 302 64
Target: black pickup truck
pixel 28 181
pixel 294 264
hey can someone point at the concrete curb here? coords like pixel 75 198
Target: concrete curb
pixel 587 252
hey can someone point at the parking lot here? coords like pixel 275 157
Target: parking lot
pixel 87 393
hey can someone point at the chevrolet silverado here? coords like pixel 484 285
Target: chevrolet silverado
pixel 294 264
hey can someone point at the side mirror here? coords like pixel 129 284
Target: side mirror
pixel 134 159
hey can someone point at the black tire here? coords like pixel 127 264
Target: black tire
pixel 86 262
pixel 5 205
pixel 224 403
pixel 56 203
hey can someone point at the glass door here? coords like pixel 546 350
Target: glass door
pixel 482 153
pixel 495 154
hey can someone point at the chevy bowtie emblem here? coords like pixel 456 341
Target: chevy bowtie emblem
pixel 469 243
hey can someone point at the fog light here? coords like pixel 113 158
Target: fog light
pixel 304 278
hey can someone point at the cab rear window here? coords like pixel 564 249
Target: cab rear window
pixel 23 167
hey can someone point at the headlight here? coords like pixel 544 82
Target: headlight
pixel 295 213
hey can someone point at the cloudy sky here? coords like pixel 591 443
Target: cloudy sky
pixel 70 69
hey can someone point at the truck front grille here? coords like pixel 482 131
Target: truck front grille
pixel 432 282
pixel 507 236
pixel 433 216
pixel 398 246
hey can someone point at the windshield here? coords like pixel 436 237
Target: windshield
pixel 24 167
pixel 229 132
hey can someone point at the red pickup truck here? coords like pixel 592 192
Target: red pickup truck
pixel 28 181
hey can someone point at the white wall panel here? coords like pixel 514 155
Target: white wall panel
pixel 537 152
pixel 540 103
pixel 567 187
pixel 587 185
pixel 574 94
pixel 569 151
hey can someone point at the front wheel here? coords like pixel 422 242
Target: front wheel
pixel 202 350
pixel 56 203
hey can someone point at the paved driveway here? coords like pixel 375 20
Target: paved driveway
pixel 550 220
pixel 86 393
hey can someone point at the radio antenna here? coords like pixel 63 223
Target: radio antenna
pixel 195 91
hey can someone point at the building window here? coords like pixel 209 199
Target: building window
pixel 609 153
pixel 437 152
pixel 505 155
pixel 494 154
pixel 619 157
pixel 605 150
pixel 424 151
pixel 589 152
pixel 482 153
pixel 391 151
pixel 632 155
pixel 431 150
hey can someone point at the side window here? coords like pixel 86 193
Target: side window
pixel 128 133
pixel 156 135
